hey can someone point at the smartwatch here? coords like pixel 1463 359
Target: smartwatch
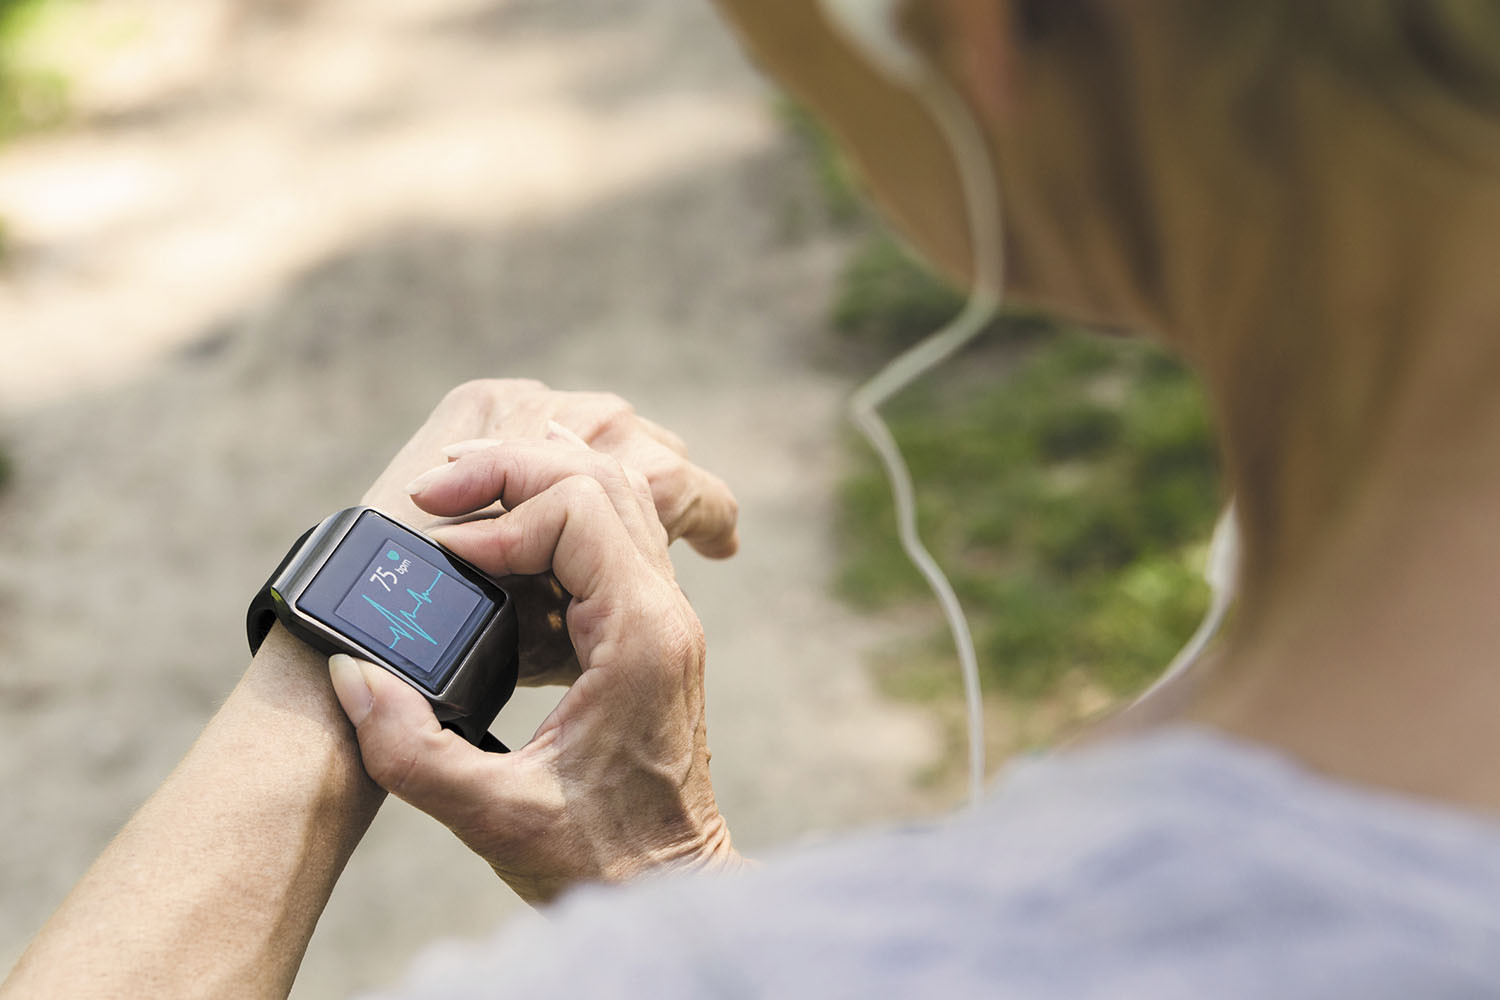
pixel 363 584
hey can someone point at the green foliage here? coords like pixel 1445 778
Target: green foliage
pixel 30 97
pixel 1067 488
pixel 13 12
pixel 1067 482
pixel 886 298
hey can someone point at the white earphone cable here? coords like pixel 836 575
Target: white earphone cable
pixel 983 200
pixel 1222 574
pixel 982 197
pixel 981 190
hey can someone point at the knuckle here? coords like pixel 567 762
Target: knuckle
pixel 672 440
pixel 492 471
pixel 603 412
pixel 473 396
pixel 614 403
pixel 582 491
pixel 498 461
pixel 672 480
pixel 639 483
pixel 673 491
pixel 611 473
pixel 677 646
pixel 483 395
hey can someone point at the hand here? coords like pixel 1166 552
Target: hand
pixel 616 780
pixel 690 503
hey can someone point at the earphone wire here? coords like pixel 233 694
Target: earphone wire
pixel 981 190
pixel 980 185
pixel 1222 574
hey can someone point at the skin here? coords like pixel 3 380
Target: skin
pixel 215 885
pixel 1325 271
pixel 1331 280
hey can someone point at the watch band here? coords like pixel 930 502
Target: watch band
pixel 262 614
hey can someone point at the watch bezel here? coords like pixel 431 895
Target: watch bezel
pixel 464 691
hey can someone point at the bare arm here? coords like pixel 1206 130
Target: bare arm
pixel 216 884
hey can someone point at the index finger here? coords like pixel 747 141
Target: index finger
pixel 571 528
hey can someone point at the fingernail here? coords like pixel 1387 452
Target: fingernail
pixel 557 432
pixel 426 479
pixel 462 448
pixel 350 687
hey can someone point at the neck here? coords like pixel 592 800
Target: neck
pixel 1362 424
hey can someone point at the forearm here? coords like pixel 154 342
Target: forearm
pixel 216 884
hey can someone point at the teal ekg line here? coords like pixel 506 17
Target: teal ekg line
pixel 404 623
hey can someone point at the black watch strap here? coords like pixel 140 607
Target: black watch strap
pixel 262 614
pixel 262 617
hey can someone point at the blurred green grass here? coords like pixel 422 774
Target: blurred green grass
pixel 1067 482
pixel 31 96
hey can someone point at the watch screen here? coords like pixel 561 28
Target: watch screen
pixel 399 596
pixel 410 605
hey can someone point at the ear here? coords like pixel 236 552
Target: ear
pixel 890 135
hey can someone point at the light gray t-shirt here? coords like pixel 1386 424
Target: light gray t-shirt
pixel 1178 864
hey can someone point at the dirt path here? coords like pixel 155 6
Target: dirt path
pixel 272 245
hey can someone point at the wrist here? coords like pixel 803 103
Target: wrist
pixel 286 696
pixel 715 852
pixel 708 849
pixel 574 853
pixel 214 886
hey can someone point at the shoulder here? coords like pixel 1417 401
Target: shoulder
pixel 1163 866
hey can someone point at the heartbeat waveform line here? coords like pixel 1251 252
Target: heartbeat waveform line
pixel 403 624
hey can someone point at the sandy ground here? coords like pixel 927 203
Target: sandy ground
pixel 270 245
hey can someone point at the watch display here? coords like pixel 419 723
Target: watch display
pixel 401 597
pixel 405 599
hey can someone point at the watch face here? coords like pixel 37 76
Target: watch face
pixel 399 596
pixel 419 607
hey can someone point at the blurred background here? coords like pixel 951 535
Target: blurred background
pixel 246 245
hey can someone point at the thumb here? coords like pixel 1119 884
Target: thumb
pixel 404 748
